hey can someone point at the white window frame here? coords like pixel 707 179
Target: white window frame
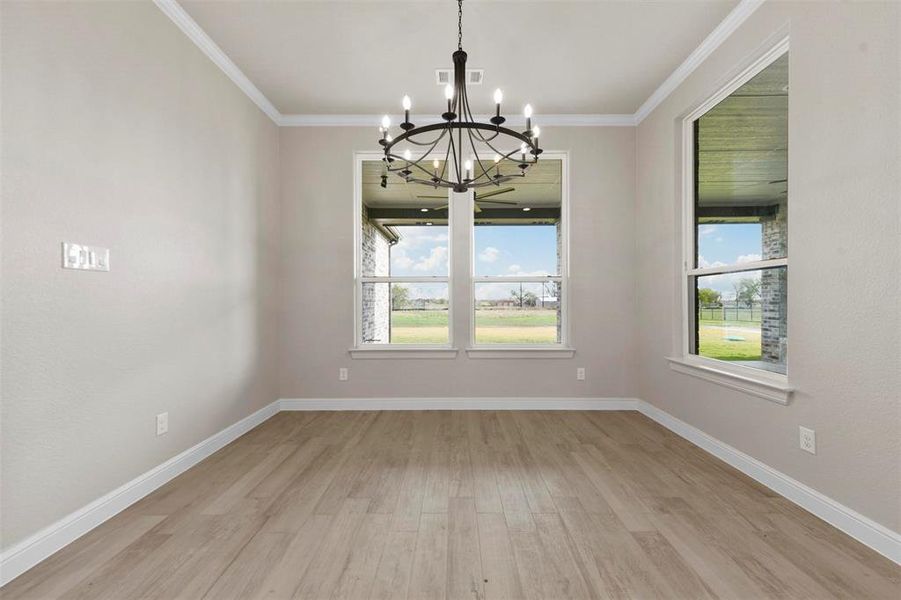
pixel 758 382
pixel 558 350
pixel 362 349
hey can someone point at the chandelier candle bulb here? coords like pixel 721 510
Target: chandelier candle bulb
pixel 468 166
pixel 407 104
pixel 527 112
pixel 497 119
pixel 449 94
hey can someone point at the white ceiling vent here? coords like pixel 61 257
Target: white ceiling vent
pixel 473 76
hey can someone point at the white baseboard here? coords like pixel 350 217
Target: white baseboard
pixel 332 404
pixel 29 552
pixel 32 550
pixel 868 532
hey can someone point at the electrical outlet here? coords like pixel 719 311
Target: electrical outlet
pixel 342 374
pixel 162 423
pixel 808 441
pixel 580 373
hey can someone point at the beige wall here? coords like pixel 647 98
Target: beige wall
pixel 118 132
pixel 844 244
pixel 317 279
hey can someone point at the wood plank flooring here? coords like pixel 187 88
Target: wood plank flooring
pixel 420 505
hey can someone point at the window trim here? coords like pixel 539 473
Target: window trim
pixel 762 383
pixel 359 349
pixel 559 350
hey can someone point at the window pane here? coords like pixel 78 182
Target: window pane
pixel 518 313
pixel 741 200
pixel 518 225
pixel 742 317
pixel 405 313
pixel 404 227
pixel 419 251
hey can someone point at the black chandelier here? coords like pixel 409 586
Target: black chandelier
pixel 457 130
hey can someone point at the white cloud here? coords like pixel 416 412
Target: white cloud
pixel 514 269
pixel 703 264
pixel 489 254
pixel 402 261
pixel 436 258
pixel 746 258
pixel 705 230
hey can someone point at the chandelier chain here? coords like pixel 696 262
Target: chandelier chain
pixel 459 24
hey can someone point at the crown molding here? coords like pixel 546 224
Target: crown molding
pixel 719 34
pixel 173 10
pixel 373 120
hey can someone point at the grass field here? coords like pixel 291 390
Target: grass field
pixel 714 340
pixel 539 326
pixel 530 326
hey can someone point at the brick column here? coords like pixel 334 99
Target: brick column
pixel 376 298
pixel 773 289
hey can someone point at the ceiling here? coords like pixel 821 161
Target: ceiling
pixel 336 57
pixel 743 144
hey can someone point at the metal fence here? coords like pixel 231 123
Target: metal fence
pixel 730 313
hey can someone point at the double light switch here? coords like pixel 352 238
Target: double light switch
pixel 85 258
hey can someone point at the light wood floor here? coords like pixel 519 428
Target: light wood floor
pixel 462 505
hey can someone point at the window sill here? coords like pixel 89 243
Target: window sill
pixel 520 352
pixel 380 352
pixel 769 386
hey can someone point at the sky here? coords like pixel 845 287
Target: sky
pixel 523 251
pixel 527 251
pixel 727 244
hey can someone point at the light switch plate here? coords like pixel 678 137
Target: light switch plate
pixel 85 258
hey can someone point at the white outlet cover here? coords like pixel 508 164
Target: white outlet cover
pixel 580 373
pixel 162 423
pixel 342 374
pixel 808 440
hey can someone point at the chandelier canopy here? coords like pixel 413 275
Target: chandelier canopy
pixel 457 134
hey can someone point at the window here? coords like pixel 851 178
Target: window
pixel 403 263
pixel 404 276
pixel 519 258
pixel 736 271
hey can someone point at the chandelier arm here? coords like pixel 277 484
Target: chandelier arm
pixel 446 162
pixel 453 151
pixel 472 119
pixel 407 166
pixel 435 142
pixel 485 172
pixel 432 147
pixel 458 125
